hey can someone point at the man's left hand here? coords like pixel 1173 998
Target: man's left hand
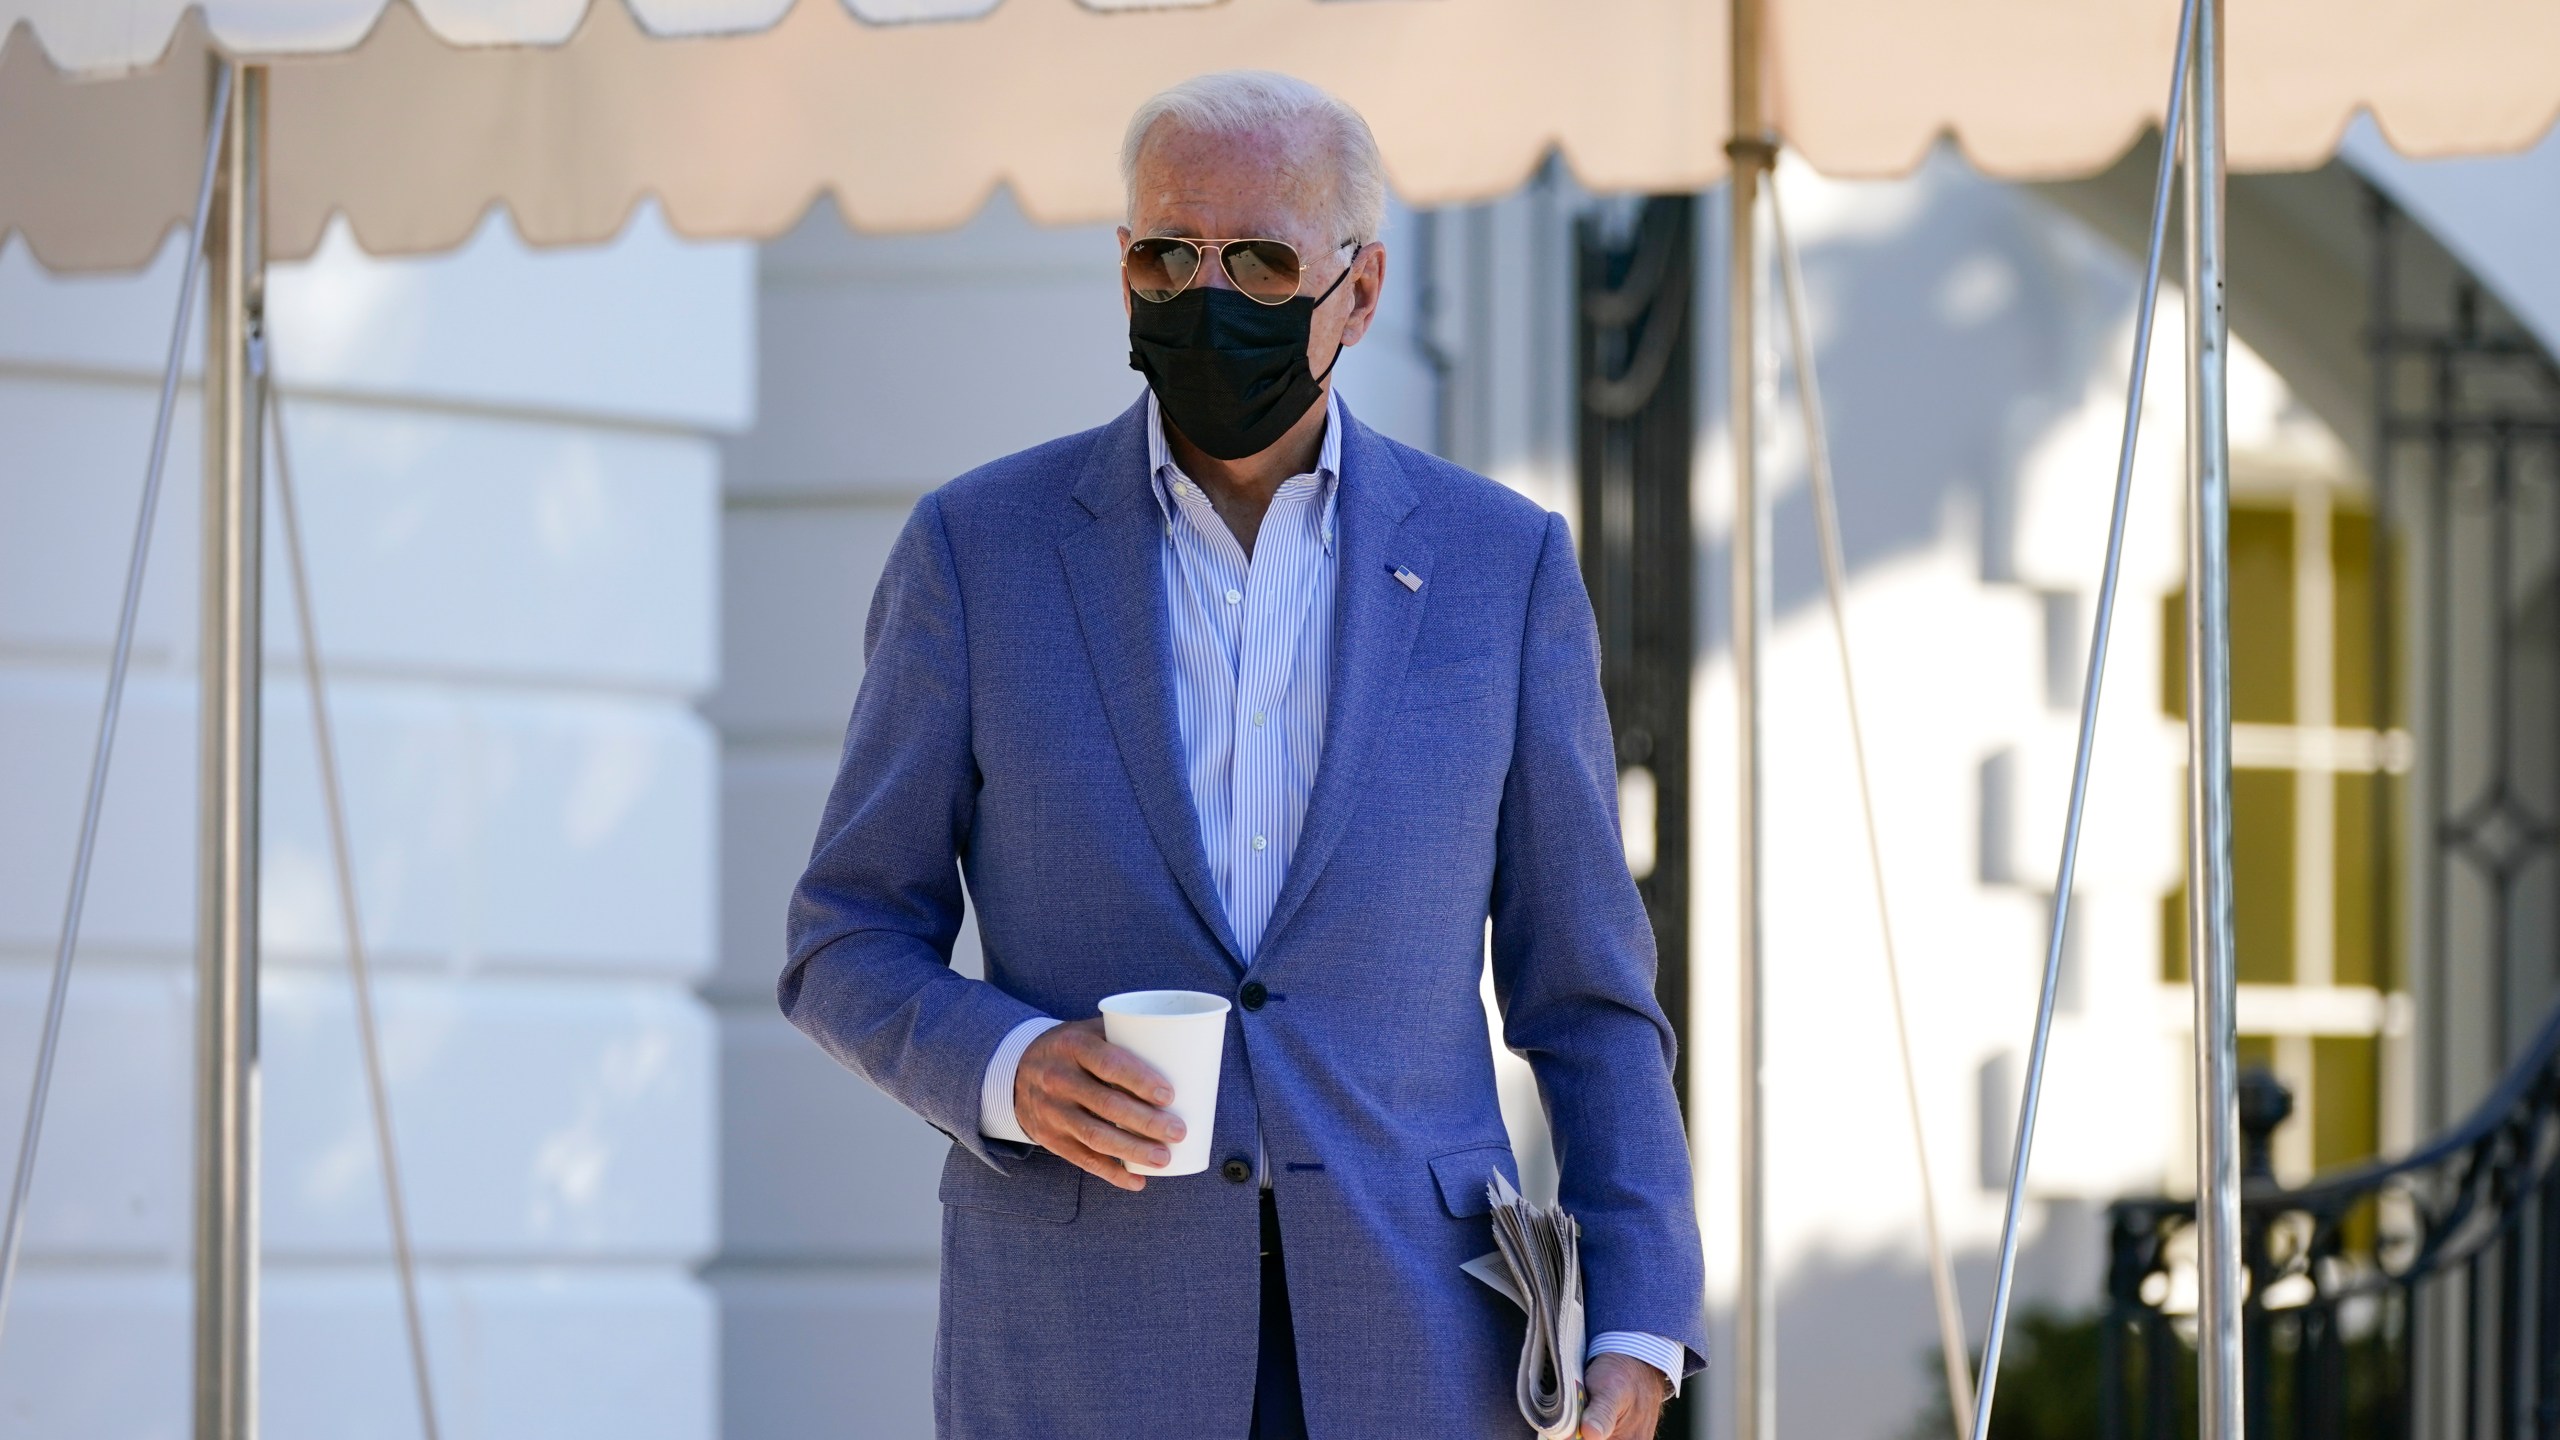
pixel 1625 1398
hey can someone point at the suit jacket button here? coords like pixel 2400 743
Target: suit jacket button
pixel 1237 1168
pixel 1253 994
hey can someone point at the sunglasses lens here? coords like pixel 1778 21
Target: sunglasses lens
pixel 1266 270
pixel 1160 268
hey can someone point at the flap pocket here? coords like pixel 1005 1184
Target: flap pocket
pixel 1040 1187
pixel 1463 1176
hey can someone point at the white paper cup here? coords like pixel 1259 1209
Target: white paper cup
pixel 1183 1033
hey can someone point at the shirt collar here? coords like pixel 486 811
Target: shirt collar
pixel 1327 474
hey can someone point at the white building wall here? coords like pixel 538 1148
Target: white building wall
pixel 1973 345
pixel 1956 326
pixel 510 485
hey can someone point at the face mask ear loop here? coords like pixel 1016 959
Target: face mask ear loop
pixel 1339 346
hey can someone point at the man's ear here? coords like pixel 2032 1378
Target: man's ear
pixel 1367 284
pixel 1123 233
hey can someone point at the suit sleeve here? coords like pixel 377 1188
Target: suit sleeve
pixel 1573 969
pixel 873 919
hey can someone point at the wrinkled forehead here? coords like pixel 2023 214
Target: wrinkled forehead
pixel 1276 182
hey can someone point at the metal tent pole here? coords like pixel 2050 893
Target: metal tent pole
pixel 226 1203
pixel 2211 963
pixel 1755 1300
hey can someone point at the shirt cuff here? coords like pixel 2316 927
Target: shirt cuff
pixel 995 1091
pixel 1668 1356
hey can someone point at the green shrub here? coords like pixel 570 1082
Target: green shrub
pixel 2048 1381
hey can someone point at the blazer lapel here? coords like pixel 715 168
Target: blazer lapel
pixel 1376 616
pixel 1115 570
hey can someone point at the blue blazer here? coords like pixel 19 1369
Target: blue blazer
pixel 1016 724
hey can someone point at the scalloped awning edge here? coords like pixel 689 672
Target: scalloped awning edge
pixel 911 127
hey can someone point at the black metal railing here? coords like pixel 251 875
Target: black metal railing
pixel 2408 1299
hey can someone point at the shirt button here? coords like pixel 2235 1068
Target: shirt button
pixel 1237 1169
pixel 1259 842
pixel 1257 719
pixel 1253 994
pixel 1234 595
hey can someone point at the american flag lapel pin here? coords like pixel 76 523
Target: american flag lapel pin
pixel 1408 579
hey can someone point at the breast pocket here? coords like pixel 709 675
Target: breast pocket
pixel 1449 682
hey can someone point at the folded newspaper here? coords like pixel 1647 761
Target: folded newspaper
pixel 1538 1264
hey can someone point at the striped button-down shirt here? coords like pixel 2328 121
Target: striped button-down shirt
pixel 1252 662
pixel 1252 668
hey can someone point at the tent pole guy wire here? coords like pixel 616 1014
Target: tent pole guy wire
pixel 2211 954
pixel 2177 124
pixel 1835 570
pixel 13 1230
pixel 342 855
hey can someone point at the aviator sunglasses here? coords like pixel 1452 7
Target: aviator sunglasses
pixel 1159 267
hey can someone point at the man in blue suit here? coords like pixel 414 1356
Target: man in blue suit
pixel 1234 694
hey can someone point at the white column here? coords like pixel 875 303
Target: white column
pixel 509 472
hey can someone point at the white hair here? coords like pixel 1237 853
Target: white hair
pixel 1240 102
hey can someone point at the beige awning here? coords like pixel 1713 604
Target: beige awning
pixel 414 117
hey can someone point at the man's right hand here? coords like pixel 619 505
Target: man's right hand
pixel 1093 1104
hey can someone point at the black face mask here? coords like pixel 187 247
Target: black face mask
pixel 1230 372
